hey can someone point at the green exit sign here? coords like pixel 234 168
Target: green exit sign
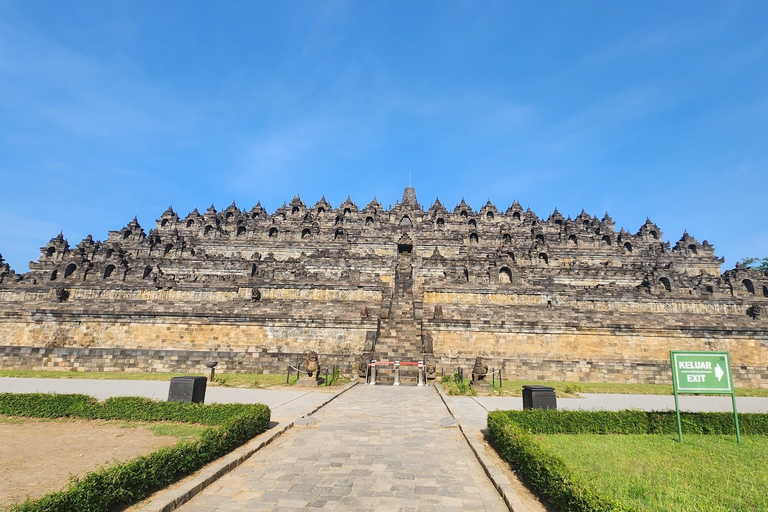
pixel 701 372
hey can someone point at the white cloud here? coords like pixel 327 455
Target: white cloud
pixel 592 126
pixel 664 38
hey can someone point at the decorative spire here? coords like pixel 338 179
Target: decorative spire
pixel 409 197
pixel 373 205
pixel 462 206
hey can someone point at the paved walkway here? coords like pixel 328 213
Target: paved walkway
pixel 617 402
pixel 373 448
pixel 286 405
pixel 294 403
pixel 472 411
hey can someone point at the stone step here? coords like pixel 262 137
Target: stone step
pixel 406 376
pixel 391 348
pixel 400 334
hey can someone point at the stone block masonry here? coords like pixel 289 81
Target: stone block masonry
pixel 555 298
pixel 156 361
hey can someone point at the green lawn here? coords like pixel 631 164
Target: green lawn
pixel 53 374
pixel 238 380
pixel 656 473
pixel 182 431
pixel 572 389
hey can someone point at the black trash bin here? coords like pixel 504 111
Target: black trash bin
pixel 539 397
pixel 187 389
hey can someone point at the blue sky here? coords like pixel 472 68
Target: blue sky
pixel 641 109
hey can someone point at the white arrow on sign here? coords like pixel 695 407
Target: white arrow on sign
pixel 719 372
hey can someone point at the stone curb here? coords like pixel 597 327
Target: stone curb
pixel 498 478
pixel 171 500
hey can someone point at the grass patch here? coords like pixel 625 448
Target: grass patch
pixel 249 380
pixel 181 431
pixel 625 449
pixel 245 380
pixel 656 473
pixel 53 374
pixel 233 380
pixel 456 386
pixel 573 389
pixel 184 432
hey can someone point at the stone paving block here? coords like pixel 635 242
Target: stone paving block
pixel 373 448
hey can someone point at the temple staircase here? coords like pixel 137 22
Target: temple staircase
pixel 399 336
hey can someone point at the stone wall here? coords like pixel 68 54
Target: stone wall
pixel 587 370
pixel 598 355
pixel 160 361
pixel 562 336
pixel 550 297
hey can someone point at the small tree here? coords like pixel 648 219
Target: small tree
pixel 756 263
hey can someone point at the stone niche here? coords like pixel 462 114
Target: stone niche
pixel 551 297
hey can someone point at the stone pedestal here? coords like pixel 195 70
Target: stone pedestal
pixel 306 381
pixel 482 387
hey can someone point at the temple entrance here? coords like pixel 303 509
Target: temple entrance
pixel 403 272
pixel 404 247
pixel 399 340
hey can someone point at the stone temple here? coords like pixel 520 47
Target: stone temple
pixel 542 298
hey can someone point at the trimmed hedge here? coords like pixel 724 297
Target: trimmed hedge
pixel 129 408
pixel 125 483
pixel 510 434
pixel 536 421
pixel 546 472
pixel 39 405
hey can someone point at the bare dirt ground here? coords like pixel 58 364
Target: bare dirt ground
pixel 39 456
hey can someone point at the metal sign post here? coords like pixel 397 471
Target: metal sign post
pixel 702 372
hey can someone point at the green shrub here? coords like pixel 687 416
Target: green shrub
pixel 572 389
pixel 455 385
pixel 538 421
pixel 40 405
pixel 125 483
pixel 545 472
pixel 510 434
pixel 460 389
pixel 130 408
